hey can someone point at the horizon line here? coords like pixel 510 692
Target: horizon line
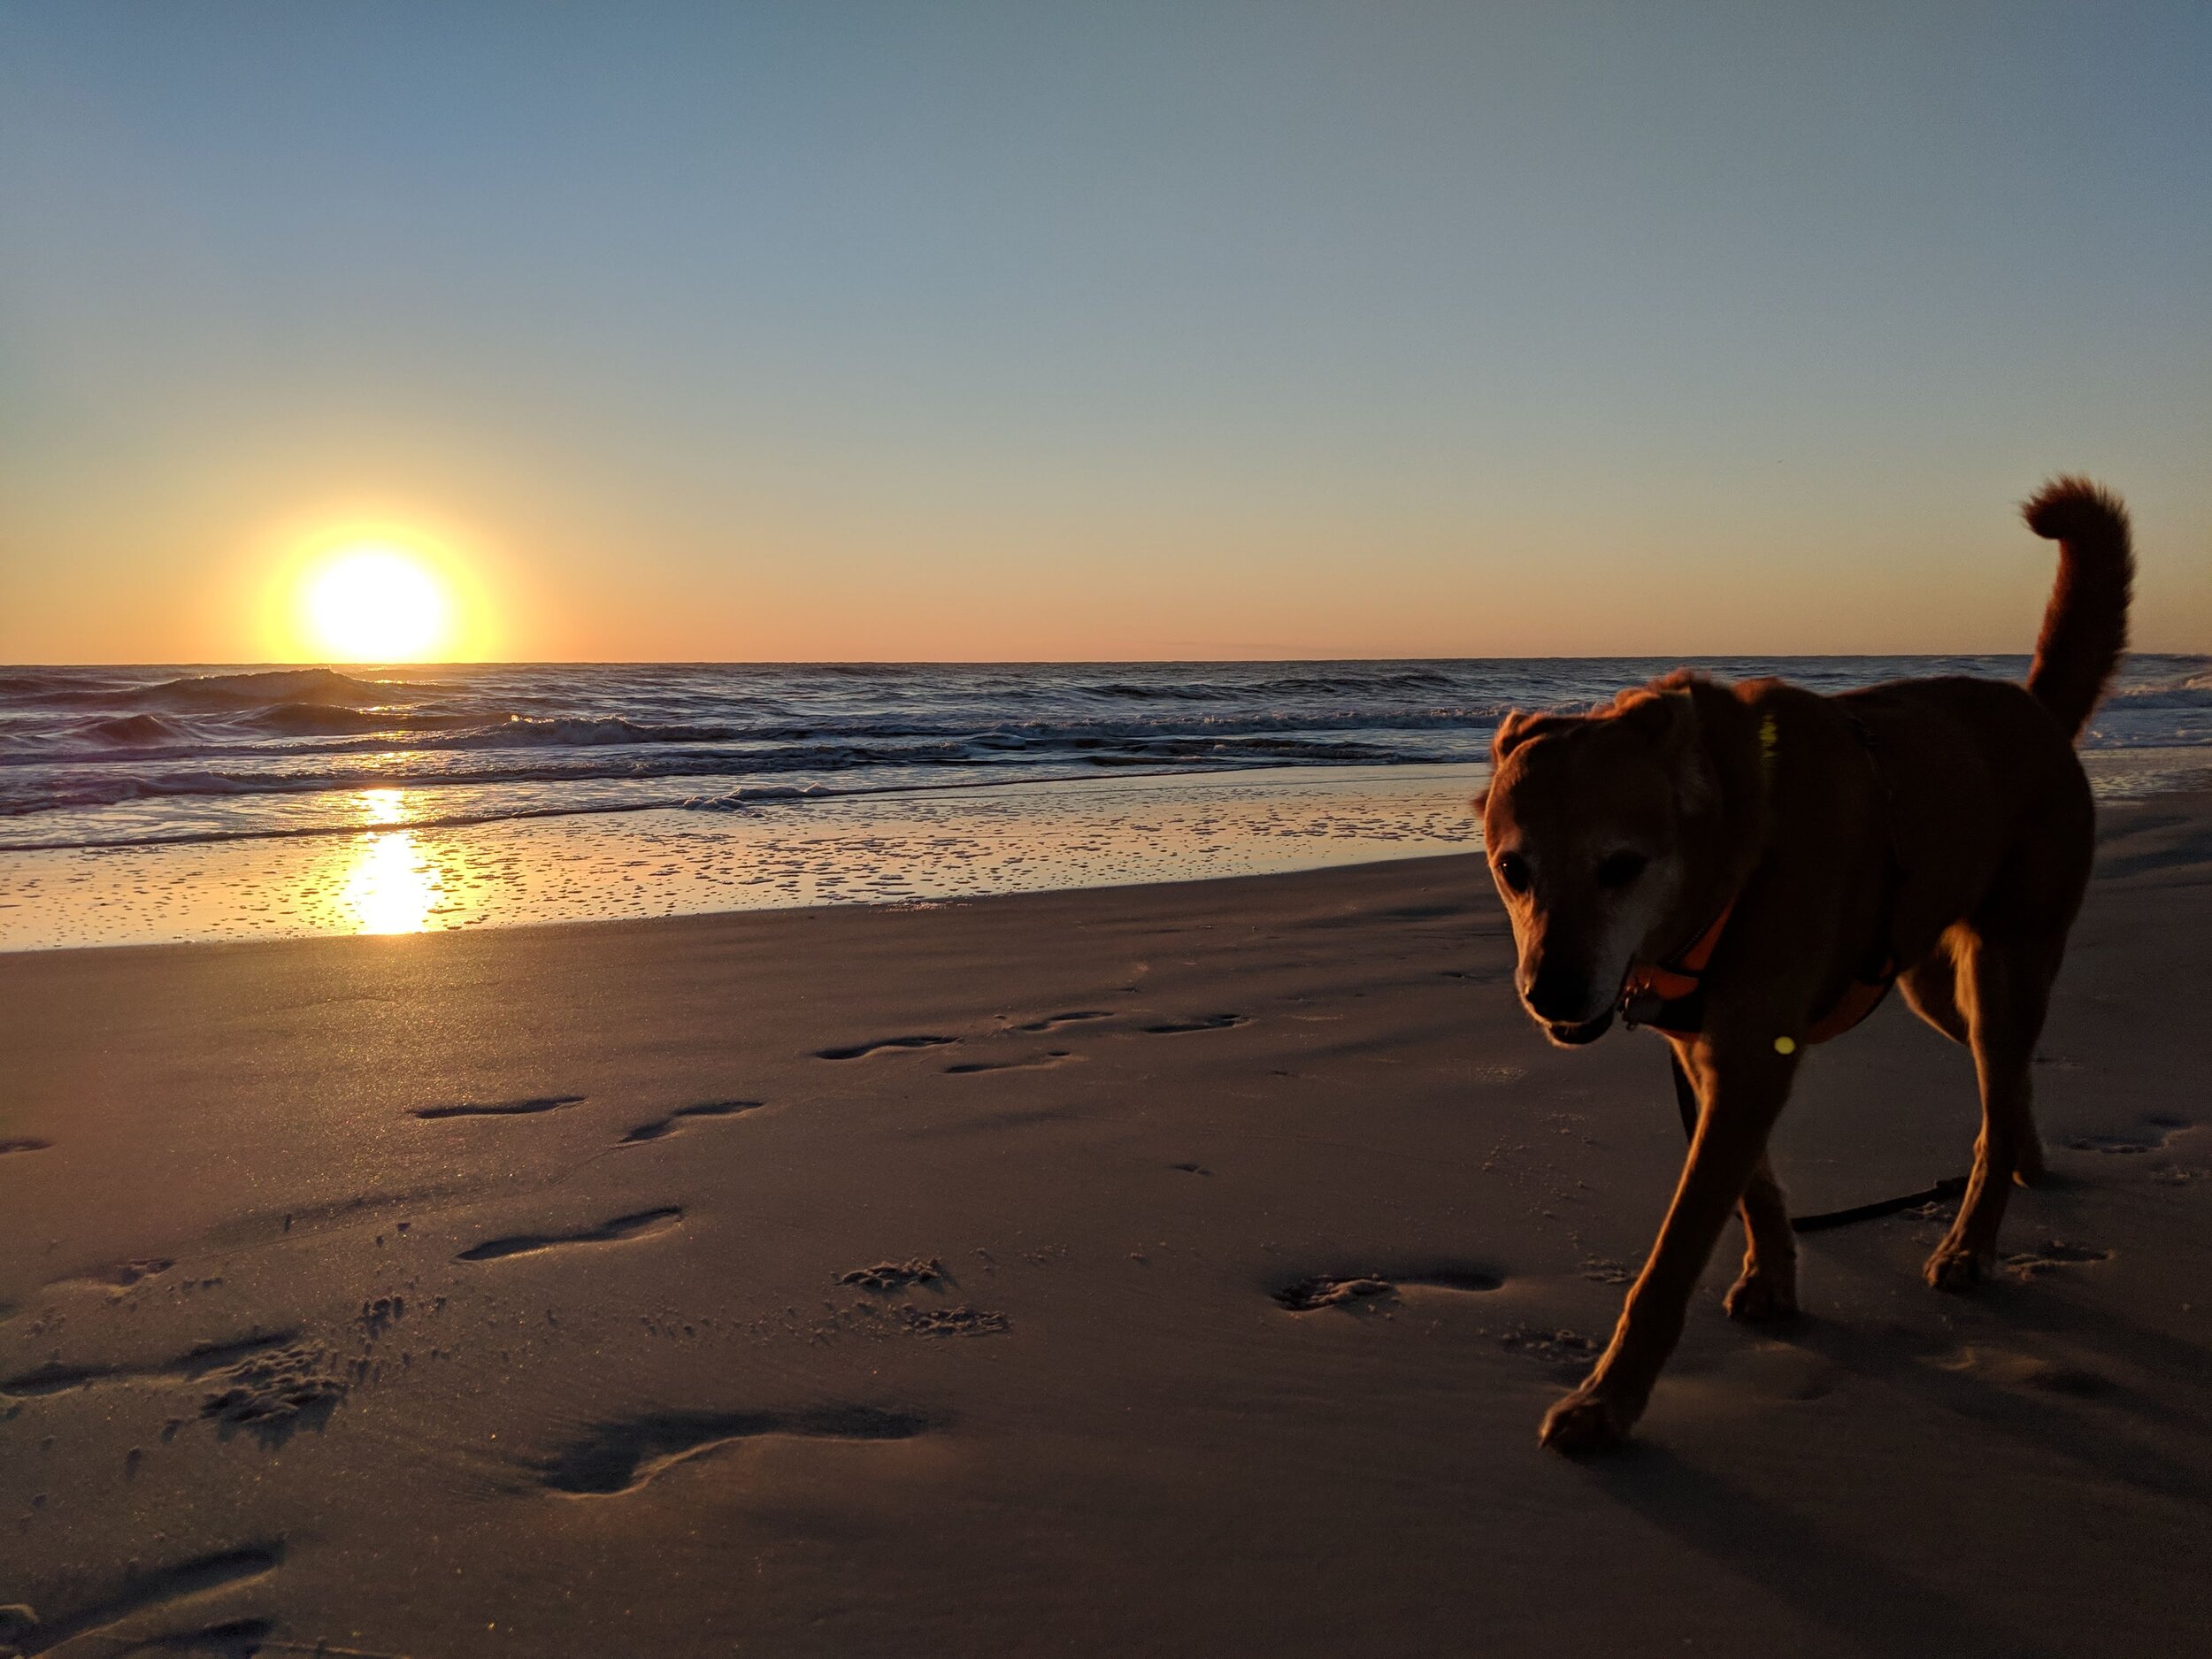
pixel 274 666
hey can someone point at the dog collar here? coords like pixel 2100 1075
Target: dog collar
pixel 1651 994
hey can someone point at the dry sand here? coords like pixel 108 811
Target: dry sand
pixel 913 1282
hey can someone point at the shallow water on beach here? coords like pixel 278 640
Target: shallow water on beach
pixel 389 877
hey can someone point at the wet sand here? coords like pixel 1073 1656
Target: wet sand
pixel 1161 1270
pixel 402 872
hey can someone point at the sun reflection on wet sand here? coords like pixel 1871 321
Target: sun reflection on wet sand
pixel 392 874
pixel 391 886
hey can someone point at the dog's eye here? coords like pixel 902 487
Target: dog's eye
pixel 1617 870
pixel 1513 871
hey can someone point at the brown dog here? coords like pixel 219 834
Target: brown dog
pixel 1747 867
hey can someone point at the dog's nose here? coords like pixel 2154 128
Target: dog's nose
pixel 1560 995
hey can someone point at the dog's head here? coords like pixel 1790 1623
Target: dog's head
pixel 1584 825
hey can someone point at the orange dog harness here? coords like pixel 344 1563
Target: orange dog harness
pixel 1669 996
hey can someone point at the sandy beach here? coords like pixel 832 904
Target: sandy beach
pixel 755 768
pixel 1164 1269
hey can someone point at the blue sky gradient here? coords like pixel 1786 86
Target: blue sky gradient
pixel 916 331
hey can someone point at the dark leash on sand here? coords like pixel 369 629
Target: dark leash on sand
pixel 1950 1187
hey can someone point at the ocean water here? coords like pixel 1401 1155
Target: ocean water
pixel 139 804
pixel 105 757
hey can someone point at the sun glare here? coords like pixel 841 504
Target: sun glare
pixel 390 886
pixel 376 603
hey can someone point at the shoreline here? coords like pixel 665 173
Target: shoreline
pixel 392 876
pixel 396 872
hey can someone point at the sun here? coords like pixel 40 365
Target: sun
pixel 376 603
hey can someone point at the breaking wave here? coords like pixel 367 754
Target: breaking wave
pixel 107 756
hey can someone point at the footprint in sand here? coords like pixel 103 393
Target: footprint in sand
pixel 622 1457
pixel 2051 1255
pixel 894 1276
pixel 120 1278
pixel 2153 1139
pixel 272 1393
pixel 143 1591
pixel 645 1222
pixel 269 1384
pixel 860 1051
pixel 24 1145
pixel 1549 1347
pixel 1045 1063
pixel 1780 1370
pixel 499 1108
pixel 1366 1290
pixel 992 1123
pixel 962 1321
pixel 1053 1022
pixel 661 1126
pixel 892 1279
pixel 55 1377
pixel 1204 1022
pixel 2025 1370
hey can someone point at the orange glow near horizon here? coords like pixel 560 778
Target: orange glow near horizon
pixel 380 592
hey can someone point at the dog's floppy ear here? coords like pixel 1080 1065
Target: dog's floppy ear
pixel 1513 731
pixel 1666 716
pixel 1669 718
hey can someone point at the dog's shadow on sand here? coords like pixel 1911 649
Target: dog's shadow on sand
pixel 2073 1420
pixel 1856 1593
pixel 1839 1586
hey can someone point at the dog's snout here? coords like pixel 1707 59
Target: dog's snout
pixel 1560 994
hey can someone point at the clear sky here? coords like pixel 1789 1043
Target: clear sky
pixel 924 330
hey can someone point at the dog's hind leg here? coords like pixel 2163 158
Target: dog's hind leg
pixel 1932 987
pixel 2007 986
pixel 1767 1288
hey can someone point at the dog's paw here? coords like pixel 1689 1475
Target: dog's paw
pixel 1585 1421
pixel 1761 1299
pixel 2027 1167
pixel 1955 1266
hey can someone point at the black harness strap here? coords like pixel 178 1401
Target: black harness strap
pixel 1685 1094
pixel 1950 1187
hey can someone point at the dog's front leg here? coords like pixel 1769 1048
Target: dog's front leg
pixel 1740 1093
pixel 1767 1288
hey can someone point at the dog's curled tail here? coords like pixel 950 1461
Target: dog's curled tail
pixel 2086 625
